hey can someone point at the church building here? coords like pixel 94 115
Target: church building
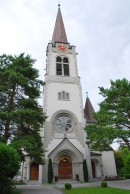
pixel 63 133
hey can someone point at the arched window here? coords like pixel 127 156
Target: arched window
pixel 58 59
pixel 66 66
pixel 63 95
pixel 65 60
pixel 58 66
pixel 62 66
pixel 67 96
pixel 59 96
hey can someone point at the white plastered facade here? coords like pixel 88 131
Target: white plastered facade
pixel 75 138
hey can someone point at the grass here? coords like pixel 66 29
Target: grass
pixel 15 191
pixel 98 190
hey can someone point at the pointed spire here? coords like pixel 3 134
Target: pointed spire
pixel 88 110
pixel 59 34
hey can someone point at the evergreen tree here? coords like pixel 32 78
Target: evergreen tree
pixel 50 171
pixel 85 171
pixel 113 118
pixel 20 115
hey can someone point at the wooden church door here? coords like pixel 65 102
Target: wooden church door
pixel 65 168
pixel 34 171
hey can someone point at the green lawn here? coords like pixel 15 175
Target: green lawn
pixel 107 190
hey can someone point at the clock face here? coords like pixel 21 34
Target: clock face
pixel 61 47
pixel 63 122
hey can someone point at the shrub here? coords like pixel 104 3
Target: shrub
pixel 127 176
pixel 85 171
pixel 20 182
pixel 127 164
pixel 9 166
pixel 50 171
pixel 77 177
pixel 56 178
pixel 103 184
pixel 111 178
pixel 119 159
pixel 68 186
pixel 9 161
pixel 5 185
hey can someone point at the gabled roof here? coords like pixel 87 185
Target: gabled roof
pixel 59 34
pixel 88 110
pixel 68 143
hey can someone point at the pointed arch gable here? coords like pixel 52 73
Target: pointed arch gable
pixel 66 148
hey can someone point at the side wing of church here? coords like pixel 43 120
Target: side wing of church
pixel 63 133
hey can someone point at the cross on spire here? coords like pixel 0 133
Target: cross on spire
pixel 58 3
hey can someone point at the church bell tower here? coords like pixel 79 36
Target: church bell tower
pixel 64 136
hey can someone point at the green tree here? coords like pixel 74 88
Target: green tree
pixel 9 165
pixel 124 150
pixel 50 171
pixel 127 164
pixel 122 159
pixel 20 115
pixel 113 118
pixel 85 171
pixel 119 159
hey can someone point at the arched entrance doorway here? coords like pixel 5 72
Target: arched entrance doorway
pixel 96 168
pixel 65 168
pixel 34 171
pixel 93 168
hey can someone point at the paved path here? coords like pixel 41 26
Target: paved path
pixel 38 189
pixel 55 188
pixel 125 184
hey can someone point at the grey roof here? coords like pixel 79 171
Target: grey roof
pixel 95 154
pixel 59 34
pixel 88 110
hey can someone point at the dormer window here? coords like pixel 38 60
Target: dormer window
pixel 63 96
pixel 62 66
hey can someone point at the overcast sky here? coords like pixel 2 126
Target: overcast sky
pixel 100 30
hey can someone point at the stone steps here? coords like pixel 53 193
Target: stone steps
pixel 33 183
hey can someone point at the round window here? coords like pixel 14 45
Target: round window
pixel 63 122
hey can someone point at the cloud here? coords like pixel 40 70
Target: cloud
pixel 99 29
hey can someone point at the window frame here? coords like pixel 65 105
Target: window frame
pixel 61 117
pixel 63 95
pixel 64 66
